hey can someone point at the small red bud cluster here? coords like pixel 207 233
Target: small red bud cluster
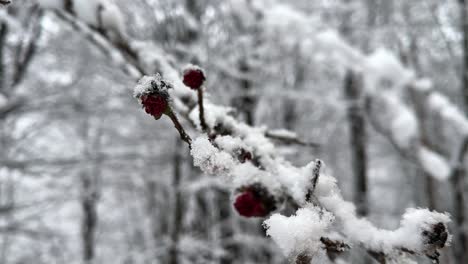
pixel 254 201
pixel 154 105
pixel 153 94
pixel 194 77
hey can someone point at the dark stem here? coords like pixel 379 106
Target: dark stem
pixel 177 213
pixel 316 174
pixel 353 89
pixel 201 109
pixel 183 135
pixel 290 140
pixel 303 259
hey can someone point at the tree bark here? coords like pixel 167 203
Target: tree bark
pixel 3 33
pixel 89 220
pixel 457 181
pixel 177 213
pixel 357 130
pixel 90 195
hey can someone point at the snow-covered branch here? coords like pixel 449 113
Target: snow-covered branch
pixel 246 158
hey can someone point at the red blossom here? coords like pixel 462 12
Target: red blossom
pixel 154 105
pixel 249 204
pixel 194 78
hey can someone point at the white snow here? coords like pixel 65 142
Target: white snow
pixel 359 230
pixel 404 125
pixel 87 10
pixel 396 119
pixel 192 67
pixel 329 42
pixel 150 84
pixel 297 181
pixel 113 20
pixel 3 101
pixel 144 85
pixel 301 232
pixel 230 144
pixel 383 68
pixel 283 133
pixel 448 111
pixel 434 164
pixel 210 159
pixel 213 114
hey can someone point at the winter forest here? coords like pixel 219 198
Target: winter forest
pixel 233 131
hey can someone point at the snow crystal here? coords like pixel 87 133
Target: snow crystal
pixel 151 84
pixel 408 235
pixel 214 114
pixel 301 232
pixel 246 174
pixel 210 159
pixel 298 181
pixel 230 143
pixel 434 164
pixel 192 67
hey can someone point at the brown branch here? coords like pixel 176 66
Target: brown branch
pixel 183 135
pixel 334 247
pixel 303 259
pixel 201 111
pixel 315 177
pixel 27 50
pixel 5 2
pixel 108 46
pixel 291 140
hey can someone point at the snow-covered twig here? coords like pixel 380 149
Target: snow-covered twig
pixel 265 180
pixel 289 138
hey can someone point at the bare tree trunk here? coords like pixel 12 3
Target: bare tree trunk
pixel 89 220
pixel 457 181
pixel 464 24
pixel 3 33
pixel 89 194
pixel 459 243
pixel 178 205
pixel 246 102
pixel 357 129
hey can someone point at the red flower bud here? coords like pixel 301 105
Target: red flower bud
pixel 154 105
pixel 250 205
pixel 194 78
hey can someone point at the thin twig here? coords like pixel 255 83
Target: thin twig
pixel 183 135
pixel 315 176
pixel 291 140
pixel 201 108
pixel 303 259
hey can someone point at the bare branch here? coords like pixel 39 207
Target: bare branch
pixel 289 139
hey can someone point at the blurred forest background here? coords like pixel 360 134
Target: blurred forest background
pixel 87 177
